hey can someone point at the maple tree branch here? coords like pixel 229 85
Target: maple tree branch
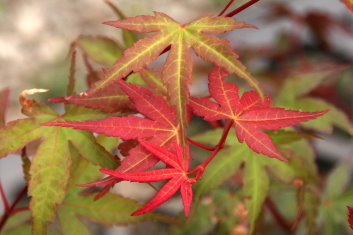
pixel 220 144
pixel 17 210
pixel 200 145
pixel 12 207
pixel 3 197
pixel 226 7
pixel 241 8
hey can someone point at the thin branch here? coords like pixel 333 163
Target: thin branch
pixel 200 145
pixel 12 207
pixel 200 168
pixel 241 8
pixel 226 7
pixel 220 144
pixel 17 210
pixel 3 197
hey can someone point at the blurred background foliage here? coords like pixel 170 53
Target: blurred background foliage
pixel 294 39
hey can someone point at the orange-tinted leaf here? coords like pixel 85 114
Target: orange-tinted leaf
pixel 349 4
pixel 159 124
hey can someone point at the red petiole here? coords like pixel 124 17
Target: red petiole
pixel 241 8
pixel 3 197
pixel 200 168
pixel 11 210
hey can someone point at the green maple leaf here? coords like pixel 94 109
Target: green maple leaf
pixel 258 170
pixel 50 168
pixel 294 95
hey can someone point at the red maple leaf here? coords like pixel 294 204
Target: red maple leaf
pixel 177 175
pixel 350 216
pixel 249 114
pixel 159 124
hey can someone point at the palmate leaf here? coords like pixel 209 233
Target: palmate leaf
pixel 176 174
pixel 258 169
pixel 295 94
pixel 249 113
pixel 108 211
pixel 177 70
pixel 160 124
pixel 50 167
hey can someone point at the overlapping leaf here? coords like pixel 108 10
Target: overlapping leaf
pixel 108 211
pixel 249 113
pixel 50 167
pixel 177 176
pixel 294 94
pixel 177 70
pixel 160 124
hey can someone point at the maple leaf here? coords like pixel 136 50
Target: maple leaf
pixel 160 124
pixel 249 113
pixel 177 176
pixel 111 210
pixel 50 167
pixel 295 94
pixel 49 171
pixel 178 68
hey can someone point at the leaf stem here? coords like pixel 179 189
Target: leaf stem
pixel 12 207
pixel 220 144
pixel 226 7
pixel 3 197
pixel 241 8
pixel 200 145
pixel 17 210
pixel 200 168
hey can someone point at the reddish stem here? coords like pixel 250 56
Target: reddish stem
pixel 17 210
pixel 12 207
pixel 200 145
pixel 241 8
pixel 226 7
pixel 3 197
pixel 200 168
pixel 220 144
